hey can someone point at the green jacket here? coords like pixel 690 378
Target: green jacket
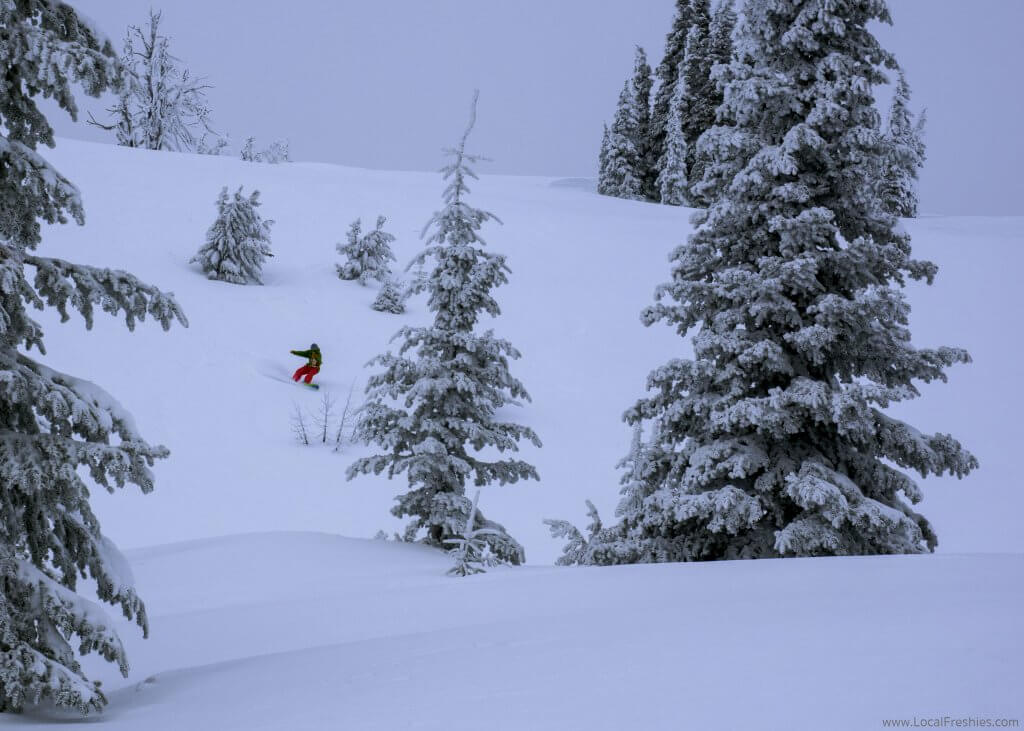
pixel 315 359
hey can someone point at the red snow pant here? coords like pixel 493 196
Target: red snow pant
pixel 308 371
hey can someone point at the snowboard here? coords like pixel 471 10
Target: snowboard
pixel 314 386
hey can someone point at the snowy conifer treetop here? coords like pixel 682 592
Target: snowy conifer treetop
pixel 51 423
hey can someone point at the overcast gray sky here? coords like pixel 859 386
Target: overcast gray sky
pixel 386 83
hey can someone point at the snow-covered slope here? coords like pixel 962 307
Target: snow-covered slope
pixel 292 626
pixel 583 267
pixel 305 631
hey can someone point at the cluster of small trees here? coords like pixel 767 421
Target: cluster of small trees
pixel 368 257
pixel 238 244
pixel 772 440
pixel 277 152
pixel 650 151
pixel 657 150
pixel 326 426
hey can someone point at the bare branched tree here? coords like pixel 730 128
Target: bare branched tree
pixel 299 426
pixel 162 106
pixel 347 417
pixel 323 419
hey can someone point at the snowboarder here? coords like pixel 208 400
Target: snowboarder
pixel 312 367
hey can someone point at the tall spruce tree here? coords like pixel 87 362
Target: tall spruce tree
pixel 667 73
pixel 53 427
pixel 647 163
pixel 773 440
pixel 624 176
pixel 700 89
pixel 673 188
pixel 602 162
pixel 433 407
pixel 723 21
pixel 905 155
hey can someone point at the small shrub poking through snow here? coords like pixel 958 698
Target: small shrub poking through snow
pixel 391 298
pixel 238 241
pixel 321 426
pixel 470 552
pixel 579 549
pixel 300 426
pixel 278 152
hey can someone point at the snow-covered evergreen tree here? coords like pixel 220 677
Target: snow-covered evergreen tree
pixel 700 88
pixel 162 106
pixel 366 257
pixel 623 175
pixel 641 86
pixel 919 127
pixel 627 168
pixel 602 162
pixel 905 155
pixel 390 298
pixel 773 440
pixel 723 21
pixel 667 73
pixel 238 242
pixel 673 183
pixel 55 428
pixel 432 408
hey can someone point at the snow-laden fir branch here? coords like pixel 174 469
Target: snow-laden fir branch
pixel 52 424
